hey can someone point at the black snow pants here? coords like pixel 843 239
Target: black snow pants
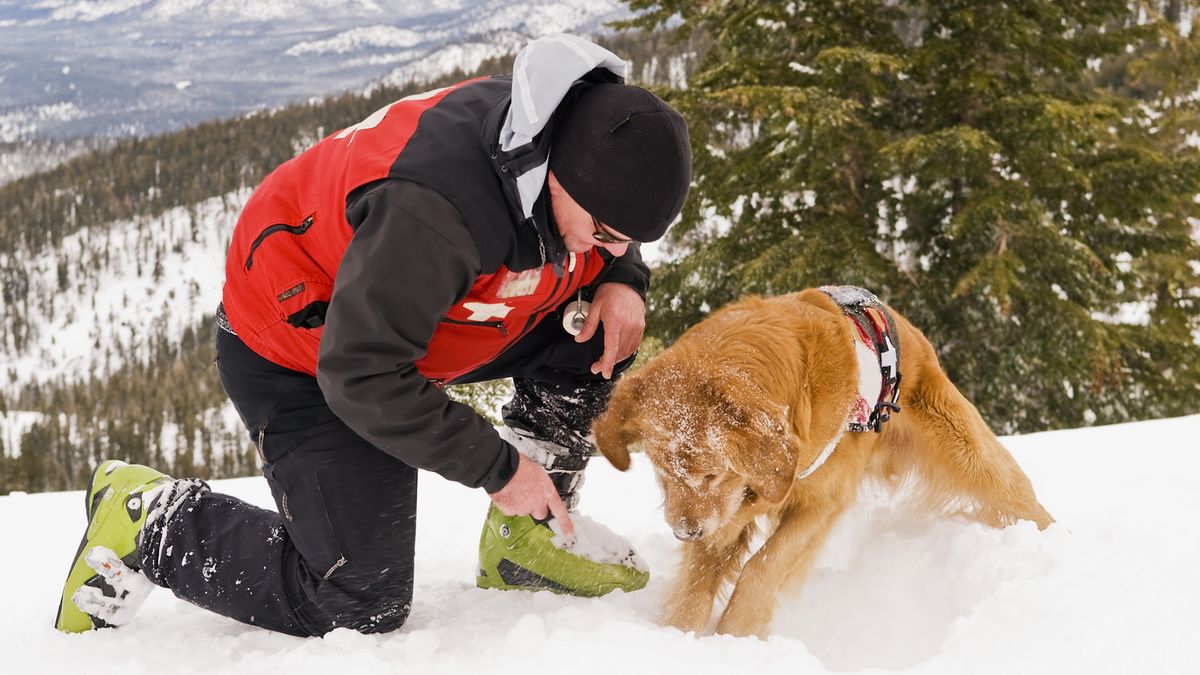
pixel 339 551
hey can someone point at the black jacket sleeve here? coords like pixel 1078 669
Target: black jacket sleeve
pixel 410 260
pixel 629 270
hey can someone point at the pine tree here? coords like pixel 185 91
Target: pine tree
pixel 955 157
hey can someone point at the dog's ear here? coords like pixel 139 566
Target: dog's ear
pixel 615 430
pixel 779 475
pixel 768 461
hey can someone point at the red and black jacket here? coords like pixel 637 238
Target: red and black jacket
pixel 391 257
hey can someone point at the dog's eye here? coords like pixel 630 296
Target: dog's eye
pixel 710 477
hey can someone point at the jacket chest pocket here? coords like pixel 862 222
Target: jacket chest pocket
pixel 277 261
pixel 277 229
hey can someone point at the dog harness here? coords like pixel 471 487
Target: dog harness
pixel 878 353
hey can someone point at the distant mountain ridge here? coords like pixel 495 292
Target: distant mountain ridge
pixel 122 67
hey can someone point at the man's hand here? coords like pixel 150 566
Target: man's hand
pixel 623 313
pixel 531 493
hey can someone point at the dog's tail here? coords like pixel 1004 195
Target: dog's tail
pixel 961 463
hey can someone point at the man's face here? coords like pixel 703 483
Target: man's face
pixel 576 226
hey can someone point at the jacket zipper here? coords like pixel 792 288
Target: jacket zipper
pixel 262 437
pixel 280 227
pixel 498 325
pixel 554 299
pixel 340 561
pixel 341 556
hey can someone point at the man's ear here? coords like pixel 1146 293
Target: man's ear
pixel 616 429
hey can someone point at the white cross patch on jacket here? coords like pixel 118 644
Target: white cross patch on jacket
pixel 483 311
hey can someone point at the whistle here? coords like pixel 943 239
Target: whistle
pixel 574 315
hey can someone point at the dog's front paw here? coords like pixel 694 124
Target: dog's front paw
pixel 688 616
pixel 744 624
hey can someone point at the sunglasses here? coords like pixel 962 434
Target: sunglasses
pixel 604 236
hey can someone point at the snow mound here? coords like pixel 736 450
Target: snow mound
pixel 596 542
pixel 1110 588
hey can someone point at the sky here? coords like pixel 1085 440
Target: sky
pixel 1111 587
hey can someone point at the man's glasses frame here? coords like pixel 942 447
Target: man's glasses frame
pixel 604 236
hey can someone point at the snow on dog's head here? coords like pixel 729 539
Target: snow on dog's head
pixel 714 440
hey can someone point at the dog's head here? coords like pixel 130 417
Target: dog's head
pixel 715 443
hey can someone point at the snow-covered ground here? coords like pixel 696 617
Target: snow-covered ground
pixel 1110 588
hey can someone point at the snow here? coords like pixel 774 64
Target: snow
pixel 17 124
pixel 18 160
pixel 87 11
pixel 487 30
pixel 1110 588
pixel 111 302
pixel 361 39
pixel 463 55
pixel 594 541
pixel 13 425
pixel 126 57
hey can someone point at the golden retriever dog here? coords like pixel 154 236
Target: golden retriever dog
pixel 736 416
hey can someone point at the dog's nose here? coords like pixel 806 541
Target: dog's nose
pixel 685 533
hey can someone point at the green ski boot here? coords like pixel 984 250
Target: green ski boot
pixel 517 552
pixel 116 512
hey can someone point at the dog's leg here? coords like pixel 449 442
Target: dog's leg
pixel 783 559
pixel 704 568
pixel 958 455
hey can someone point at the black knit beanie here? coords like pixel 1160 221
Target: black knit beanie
pixel 623 154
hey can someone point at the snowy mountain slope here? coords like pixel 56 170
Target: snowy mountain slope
pixel 13 424
pixel 1110 588
pixel 114 67
pixel 108 297
pixel 22 159
pixel 96 300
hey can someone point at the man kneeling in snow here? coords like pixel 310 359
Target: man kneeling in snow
pixel 467 229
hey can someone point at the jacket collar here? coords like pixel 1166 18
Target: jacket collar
pixel 543 73
pixel 516 136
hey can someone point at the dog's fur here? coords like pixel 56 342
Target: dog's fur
pixel 745 401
